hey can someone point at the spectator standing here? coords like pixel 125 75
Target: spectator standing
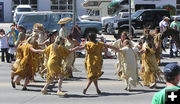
pixel 174 25
pixel 4 46
pixel 14 31
pixel 163 25
pixel 63 32
pixel 172 76
pixel 11 42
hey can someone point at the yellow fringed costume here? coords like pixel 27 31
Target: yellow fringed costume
pixel 159 48
pixel 151 71
pixel 23 66
pixel 55 65
pixel 94 59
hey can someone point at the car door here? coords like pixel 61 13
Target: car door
pixel 159 16
pixel 147 19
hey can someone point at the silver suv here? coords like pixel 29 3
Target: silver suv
pixel 50 19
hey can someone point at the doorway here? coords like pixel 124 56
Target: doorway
pixel 1 12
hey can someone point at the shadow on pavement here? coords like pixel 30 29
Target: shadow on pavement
pixel 81 96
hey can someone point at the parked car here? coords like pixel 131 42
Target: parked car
pixel 19 10
pixel 178 18
pixel 50 19
pixel 141 18
pixel 109 20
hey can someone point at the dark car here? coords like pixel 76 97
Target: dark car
pixel 141 18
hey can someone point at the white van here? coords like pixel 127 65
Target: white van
pixel 95 9
pixel 19 10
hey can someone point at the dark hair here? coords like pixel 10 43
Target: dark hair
pixel 62 25
pixel 170 77
pixel 12 25
pixel 92 37
pixel 53 32
pixel 22 28
pixel 2 30
pixel 157 28
pixel 149 40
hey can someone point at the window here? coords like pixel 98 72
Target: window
pixel 61 5
pixel 35 19
pixel 24 1
pixel 24 9
pixel 178 7
pixel 16 2
pixel 66 15
pixel 96 12
pixel 55 18
pixel 33 3
pixel 177 1
pixel 54 2
pixel 148 16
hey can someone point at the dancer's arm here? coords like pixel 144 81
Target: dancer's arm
pixel 36 51
pixel 77 48
pixel 112 47
pixel 44 43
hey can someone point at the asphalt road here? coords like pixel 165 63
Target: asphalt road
pixel 113 89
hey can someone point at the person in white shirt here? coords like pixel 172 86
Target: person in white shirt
pixel 4 46
pixel 163 25
pixel 63 32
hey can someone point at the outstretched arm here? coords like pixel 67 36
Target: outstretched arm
pixel 44 43
pixel 112 47
pixel 36 51
pixel 77 48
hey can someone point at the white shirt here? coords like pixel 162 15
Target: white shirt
pixel 3 42
pixel 162 25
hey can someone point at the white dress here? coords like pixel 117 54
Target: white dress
pixel 129 65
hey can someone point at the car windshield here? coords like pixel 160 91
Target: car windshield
pixel 24 9
pixel 66 15
pixel 35 18
pixel 135 15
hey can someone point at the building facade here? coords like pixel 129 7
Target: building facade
pixel 7 6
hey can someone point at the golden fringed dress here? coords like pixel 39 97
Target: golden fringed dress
pixel 151 71
pixel 94 59
pixel 24 65
pixel 159 49
pixel 36 58
pixel 55 65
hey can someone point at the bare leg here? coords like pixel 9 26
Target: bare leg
pixel 96 85
pixel 18 79
pixel 61 77
pixel 26 83
pixel 89 83
pixel 46 85
pixel 126 80
pixel 60 81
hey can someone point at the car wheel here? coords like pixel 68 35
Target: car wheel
pixel 110 29
pixel 89 31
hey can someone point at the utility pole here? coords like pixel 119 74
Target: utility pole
pixel 74 12
pixel 130 22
